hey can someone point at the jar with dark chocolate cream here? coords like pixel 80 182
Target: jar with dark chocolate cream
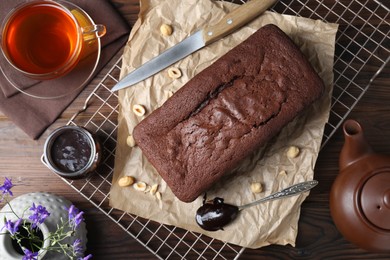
pixel 72 152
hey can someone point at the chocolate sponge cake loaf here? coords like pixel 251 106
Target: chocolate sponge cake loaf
pixel 228 111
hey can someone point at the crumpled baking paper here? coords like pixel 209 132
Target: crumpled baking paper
pixel 274 222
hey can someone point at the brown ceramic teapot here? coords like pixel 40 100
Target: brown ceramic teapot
pixel 360 195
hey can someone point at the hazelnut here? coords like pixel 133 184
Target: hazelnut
pixel 154 188
pixel 126 181
pixel 283 172
pixel 292 152
pixel 166 29
pixel 174 73
pixel 130 141
pixel 140 186
pixel 139 110
pixel 147 189
pixel 256 187
pixel 158 195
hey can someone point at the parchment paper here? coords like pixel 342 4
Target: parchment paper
pixel 270 223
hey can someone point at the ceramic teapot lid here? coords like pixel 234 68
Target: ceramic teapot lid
pixel 375 199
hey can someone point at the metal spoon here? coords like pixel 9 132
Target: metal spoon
pixel 216 215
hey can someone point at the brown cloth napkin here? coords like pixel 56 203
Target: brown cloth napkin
pixel 34 115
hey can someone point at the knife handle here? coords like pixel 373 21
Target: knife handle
pixel 236 19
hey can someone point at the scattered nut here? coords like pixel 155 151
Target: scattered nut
pixel 283 172
pixel 174 73
pixel 140 186
pixel 126 181
pixel 256 187
pixel 166 29
pixel 154 188
pixel 292 152
pixel 130 141
pixel 158 195
pixel 147 189
pixel 139 110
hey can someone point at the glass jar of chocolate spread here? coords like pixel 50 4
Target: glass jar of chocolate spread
pixel 72 152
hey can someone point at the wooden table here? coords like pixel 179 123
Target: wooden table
pixel 317 238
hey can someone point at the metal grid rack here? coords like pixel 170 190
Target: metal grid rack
pixel 362 52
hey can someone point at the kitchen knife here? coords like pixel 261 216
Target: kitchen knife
pixel 229 23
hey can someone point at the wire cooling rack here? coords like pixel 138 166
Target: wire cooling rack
pixel 362 52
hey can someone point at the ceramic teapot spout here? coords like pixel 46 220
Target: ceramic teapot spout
pixel 355 145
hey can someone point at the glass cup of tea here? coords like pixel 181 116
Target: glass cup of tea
pixel 44 39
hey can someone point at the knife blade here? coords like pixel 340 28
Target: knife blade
pixel 229 23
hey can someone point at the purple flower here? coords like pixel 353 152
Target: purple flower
pixel 86 258
pixel 75 216
pixel 12 227
pixel 77 247
pixel 39 215
pixel 28 255
pixel 6 187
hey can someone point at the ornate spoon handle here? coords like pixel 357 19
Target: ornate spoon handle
pixel 288 192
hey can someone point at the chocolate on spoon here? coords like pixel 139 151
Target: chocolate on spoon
pixel 214 216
